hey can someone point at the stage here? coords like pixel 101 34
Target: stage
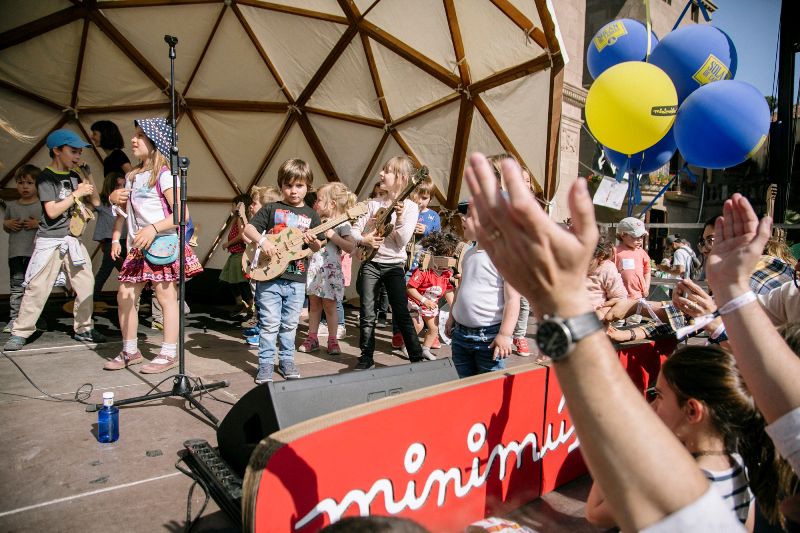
pixel 56 476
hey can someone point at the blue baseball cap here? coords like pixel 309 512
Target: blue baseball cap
pixel 65 137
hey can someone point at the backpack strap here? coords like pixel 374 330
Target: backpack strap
pixel 164 204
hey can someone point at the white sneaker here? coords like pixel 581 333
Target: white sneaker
pixel 428 354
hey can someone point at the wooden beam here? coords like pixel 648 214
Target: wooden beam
pixel 217 158
pixel 273 149
pixel 236 105
pixel 81 53
pixel 510 74
pixel 32 96
pixel 501 136
pixel 128 49
pixel 548 27
pixel 145 106
pixel 553 127
pixel 317 148
pixel 371 164
pixel 40 26
pixel 32 152
pixel 409 54
pixel 205 49
pixel 115 4
pixel 269 6
pixel 364 121
pixel 449 99
pixel 458 43
pixel 350 10
pixel 263 53
pixel 376 79
pixel 459 152
pixel 326 66
pixel 522 22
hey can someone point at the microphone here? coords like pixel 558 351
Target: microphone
pixel 170 40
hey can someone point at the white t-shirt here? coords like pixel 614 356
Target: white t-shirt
pixel 144 205
pixel 480 299
pixel 782 304
pixel 682 256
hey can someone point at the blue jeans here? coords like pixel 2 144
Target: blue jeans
pixel 471 352
pixel 279 303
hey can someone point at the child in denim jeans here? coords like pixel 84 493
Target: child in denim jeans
pixel 279 301
pixel 481 323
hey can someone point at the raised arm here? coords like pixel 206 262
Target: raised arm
pixel 644 471
pixel 770 369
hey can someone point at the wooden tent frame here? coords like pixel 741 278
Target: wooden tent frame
pixel 467 91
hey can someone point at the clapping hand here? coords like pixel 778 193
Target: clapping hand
pixel 739 240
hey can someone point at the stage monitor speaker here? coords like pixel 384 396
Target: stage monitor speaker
pixel 273 406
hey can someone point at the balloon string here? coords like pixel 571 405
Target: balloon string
pixel 659 195
pixel 649 25
pixel 700 5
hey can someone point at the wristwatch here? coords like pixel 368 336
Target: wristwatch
pixel 557 336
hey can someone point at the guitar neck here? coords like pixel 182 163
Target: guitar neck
pixel 332 223
pixel 412 184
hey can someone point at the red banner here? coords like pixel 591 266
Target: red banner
pixel 464 451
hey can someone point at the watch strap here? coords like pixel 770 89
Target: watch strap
pixel 583 325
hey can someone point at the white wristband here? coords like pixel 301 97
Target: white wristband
pixel 736 303
pixel 422 300
pixel 261 241
pixel 719 331
pixel 114 241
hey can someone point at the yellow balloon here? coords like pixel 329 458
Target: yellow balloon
pixel 631 106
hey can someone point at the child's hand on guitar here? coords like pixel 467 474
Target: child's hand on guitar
pixel 370 240
pixel 311 240
pixel 399 210
pixel 268 248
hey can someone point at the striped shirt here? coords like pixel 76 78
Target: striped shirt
pixel 732 485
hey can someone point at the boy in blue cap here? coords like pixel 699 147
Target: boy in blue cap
pixel 58 246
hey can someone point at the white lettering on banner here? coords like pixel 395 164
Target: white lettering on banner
pixel 414 459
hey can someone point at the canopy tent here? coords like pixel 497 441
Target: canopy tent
pixel 343 84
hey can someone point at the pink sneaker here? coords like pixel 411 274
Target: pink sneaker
pixel 521 346
pixel 162 363
pixel 333 347
pixel 311 344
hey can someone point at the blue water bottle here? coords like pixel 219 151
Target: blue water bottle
pixel 108 419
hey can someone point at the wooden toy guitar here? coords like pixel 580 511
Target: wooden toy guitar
pixel 290 245
pixel 381 224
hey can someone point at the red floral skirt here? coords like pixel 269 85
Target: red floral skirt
pixel 136 269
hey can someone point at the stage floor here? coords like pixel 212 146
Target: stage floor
pixel 57 477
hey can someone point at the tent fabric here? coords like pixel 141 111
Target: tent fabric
pixel 344 84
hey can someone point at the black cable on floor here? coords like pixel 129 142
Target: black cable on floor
pixel 192 522
pixel 81 395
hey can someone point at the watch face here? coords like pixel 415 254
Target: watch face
pixel 553 339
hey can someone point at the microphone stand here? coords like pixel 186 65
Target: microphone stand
pixel 181 384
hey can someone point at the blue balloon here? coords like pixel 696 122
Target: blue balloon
pixel 695 55
pixel 648 160
pixel 616 42
pixel 722 124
